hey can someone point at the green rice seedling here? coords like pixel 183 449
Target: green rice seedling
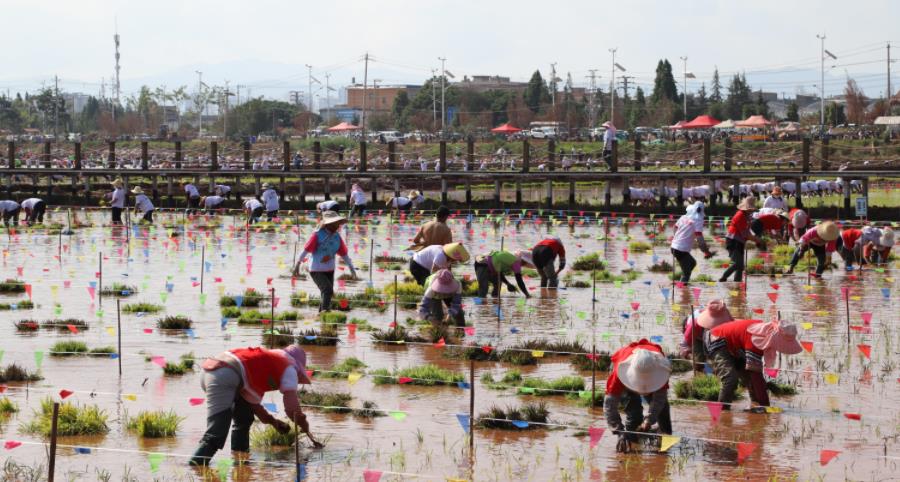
pixel 154 424
pixel 251 299
pixel 383 260
pixel 63 325
pixel 266 437
pixel 680 366
pixel 327 336
pixel 252 317
pixel 103 350
pixel 582 362
pixel 369 410
pixel 426 375
pixel 16 373
pixel 188 360
pixel 559 386
pixel 589 262
pixel 382 376
pixel 487 378
pixel 609 277
pixel 398 334
pixel 174 369
pixel 640 247
pixel 720 263
pixel 583 397
pixel 68 348
pixel 572 282
pixel 501 418
pixel 142 308
pixel 176 322
pixel 329 402
pixel 529 272
pixel 517 357
pixel 73 420
pixel 438 331
pixel 361 325
pixel 287 316
pixel 781 389
pixel 512 377
pixel 7 407
pixel 469 286
pixel 340 370
pixel 118 289
pixel 700 387
pixel 333 318
pixel 408 294
pixel 472 352
pixel 27 325
pixel 11 285
pixel 230 312
pixel 662 266
pixel 20 305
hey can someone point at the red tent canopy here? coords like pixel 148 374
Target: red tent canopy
pixel 701 122
pixel 678 125
pixel 505 129
pixel 755 121
pixel 343 126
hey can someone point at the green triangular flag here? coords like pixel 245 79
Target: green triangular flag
pixel 526 390
pixel 181 266
pixel 399 416
pixel 38 359
pixel 202 298
pixel 617 283
pixel 605 336
pixel 1 355
pixel 581 314
pixel 164 296
pixel 660 318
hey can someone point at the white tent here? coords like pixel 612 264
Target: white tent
pixel 885 120
pixel 729 124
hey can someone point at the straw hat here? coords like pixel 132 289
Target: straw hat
pixel 526 257
pixel 774 337
pixel 266 185
pixel 414 194
pixel 714 315
pixel 444 283
pixel 776 191
pixel 298 356
pixel 827 231
pixel 137 190
pixel 456 252
pixel 644 371
pixel 331 217
pixel 887 238
pixel 747 204
pixel 117 182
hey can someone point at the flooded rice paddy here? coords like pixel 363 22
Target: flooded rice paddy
pixel 845 401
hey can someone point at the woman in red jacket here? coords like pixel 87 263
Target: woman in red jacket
pixel 736 239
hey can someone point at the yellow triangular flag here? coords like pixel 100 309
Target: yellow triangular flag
pixel 807 326
pixel 667 442
pixel 129 396
pixel 111 331
pixel 774 410
pixel 537 353
pixel 353 378
pixel 831 378
pixel 710 283
pixel 734 293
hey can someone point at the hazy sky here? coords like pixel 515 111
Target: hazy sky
pixel 264 45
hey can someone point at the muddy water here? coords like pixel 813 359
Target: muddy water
pixel 429 442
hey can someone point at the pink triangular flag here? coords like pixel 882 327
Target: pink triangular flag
pixel 866 317
pixel 825 456
pixel 744 449
pixel 92 291
pixel 772 372
pixel 11 444
pixel 696 292
pixel 715 410
pixel 470 330
pixel 275 301
pixel 845 291
pixel 371 475
pixel 635 305
pixel 679 284
pixel 158 360
pixel 596 434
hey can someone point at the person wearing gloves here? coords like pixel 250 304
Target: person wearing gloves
pixel 117 201
pixel 211 202
pixel 406 203
pixel 222 190
pixel 878 252
pixel 739 349
pixel 10 210
pixel 434 232
pixel 851 241
pixel 800 222
pixel 692 346
pixel 491 270
pixel 143 204
pixel 543 254
pixel 689 228
pixel 357 200
pixel 434 258
pixel 235 382
pixel 328 205
pixel 772 221
pixel 269 199
pixel 254 210
pixel 442 289
pixel 324 244
pixel 736 239
pixel 639 371
pixel 775 200
pixel 34 210
pixel 193 197
pixel 817 239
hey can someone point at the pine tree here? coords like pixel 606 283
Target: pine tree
pixel 716 88
pixel 664 83
pixel 793 112
pixel 536 92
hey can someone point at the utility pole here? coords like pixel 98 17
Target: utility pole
pixel 612 88
pixel 199 100
pixel 309 98
pixel 625 79
pixel 433 100
pixel 327 94
pixel 365 94
pixel 227 93
pixel 553 85
pixel 822 84
pixel 592 110
pixel 684 86
pixel 117 85
pixel 55 107
pixel 890 93
pixel 443 107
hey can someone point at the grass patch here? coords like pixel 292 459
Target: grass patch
pixel 184 365
pixel 266 437
pixel 118 289
pixel 73 420
pixel 600 362
pixel 559 386
pixel 16 373
pixel 700 387
pixel 11 285
pixel 640 247
pixel 27 325
pixel 327 336
pixel 397 334
pixel 8 407
pixel 68 348
pixel 250 299
pixel 583 398
pixel 21 305
pixel 334 402
pixel 408 294
pixel 626 276
pixel 289 315
pixel 661 267
pixel 142 308
pixel 425 375
pixel 154 424
pixel 333 318
pixel 340 370
pixel 230 312
pixel 589 262
pixel 63 325
pixel 177 322
pixel 781 389
pixel 502 417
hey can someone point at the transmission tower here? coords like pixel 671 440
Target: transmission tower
pixel 117 86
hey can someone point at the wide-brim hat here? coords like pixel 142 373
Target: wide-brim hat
pixel 414 194
pixel 444 283
pixel 456 252
pixel 714 315
pixel 526 257
pixel 137 190
pixel 777 190
pixel 747 204
pixel 887 238
pixel 117 182
pixel 644 371
pixel 266 185
pixel 827 231
pixel 774 337
pixel 298 356
pixel 331 217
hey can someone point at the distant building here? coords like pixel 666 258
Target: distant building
pixel 483 83
pixel 380 98
pixel 341 113
pixel 76 102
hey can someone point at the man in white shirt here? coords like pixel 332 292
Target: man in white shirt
pixel 34 210
pixel 357 200
pixel 10 210
pixel 775 200
pixel 211 202
pixel 143 204
pixel 270 199
pixel 222 190
pixel 193 197
pixel 328 205
pixel 254 210
pixel 609 138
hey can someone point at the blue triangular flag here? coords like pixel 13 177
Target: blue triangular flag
pixel 82 450
pixel 190 333
pixel 520 423
pixel 463 385
pixel 886 292
pixel 114 355
pixel 463 421
pixel 513 330
pixel 665 292
pixel 238 300
pixel 271 407
pixel 656 339
pixel 477 300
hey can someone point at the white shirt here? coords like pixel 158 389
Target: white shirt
pixel 270 197
pixel 8 206
pixel 142 202
pixel 686 230
pixel 223 189
pixel 869 234
pixel 358 197
pixel 213 201
pixel 30 202
pixel 191 190
pixel 252 204
pixel 327 205
pixel 418 200
pixel 432 258
pixel 399 202
pixel 608 137
pixel 774 202
pixel 118 198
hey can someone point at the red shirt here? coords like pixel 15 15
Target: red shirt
pixel 263 370
pixel 739 224
pixel 736 336
pixel 771 222
pixel 850 236
pixel 555 245
pixel 613 385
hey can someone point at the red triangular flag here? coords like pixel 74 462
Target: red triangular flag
pixel 825 456
pixel 440 343
pixel 758 311
pixel 65 393
pixel 775 286
pixel 11 444
pixel 596 434
pixel 744 449
pixel 72 328
pixel 404 380
pixel 866 350
pixel 196 401
pixel 807 345
pixel 715 409
pixel 371 475
pixel 773 297
pixel 487 348
pixel 853 416
pixel 772 372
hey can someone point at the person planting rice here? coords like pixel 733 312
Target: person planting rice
pixel 738 350
pixel 817 239
pixel 771 221
pixel 270 199
pixel 143 204
pixel 442 289
pixel 10 210
pixel 689 228
pixel 193 197
pixel 736 239
pixel 117 201
pixel 235 382
pixel 491 270
pixel 328 205
pixel 800 222
pixel 254 210
pixel 211 202
pixel 406 203
pixel 851 241
pixel 639 371
pixel 878 253
pixel 34 210
pixel 434 258
pixel 434 232
pixel 357 200
pixel 222 190
pixel 692 346
pixel 323 245
pixel 543 254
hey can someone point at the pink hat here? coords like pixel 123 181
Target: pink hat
pixel 714 315
pixel 298 356
pixel 775 337
pixel 444 283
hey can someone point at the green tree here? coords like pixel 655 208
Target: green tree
pixel 536 93
pixel 10 117
pixel 399 110
pixel 834 114
pixel 716 95
pixel 793 112
pixel 739 94
pixel 664 83
pixel 259 116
